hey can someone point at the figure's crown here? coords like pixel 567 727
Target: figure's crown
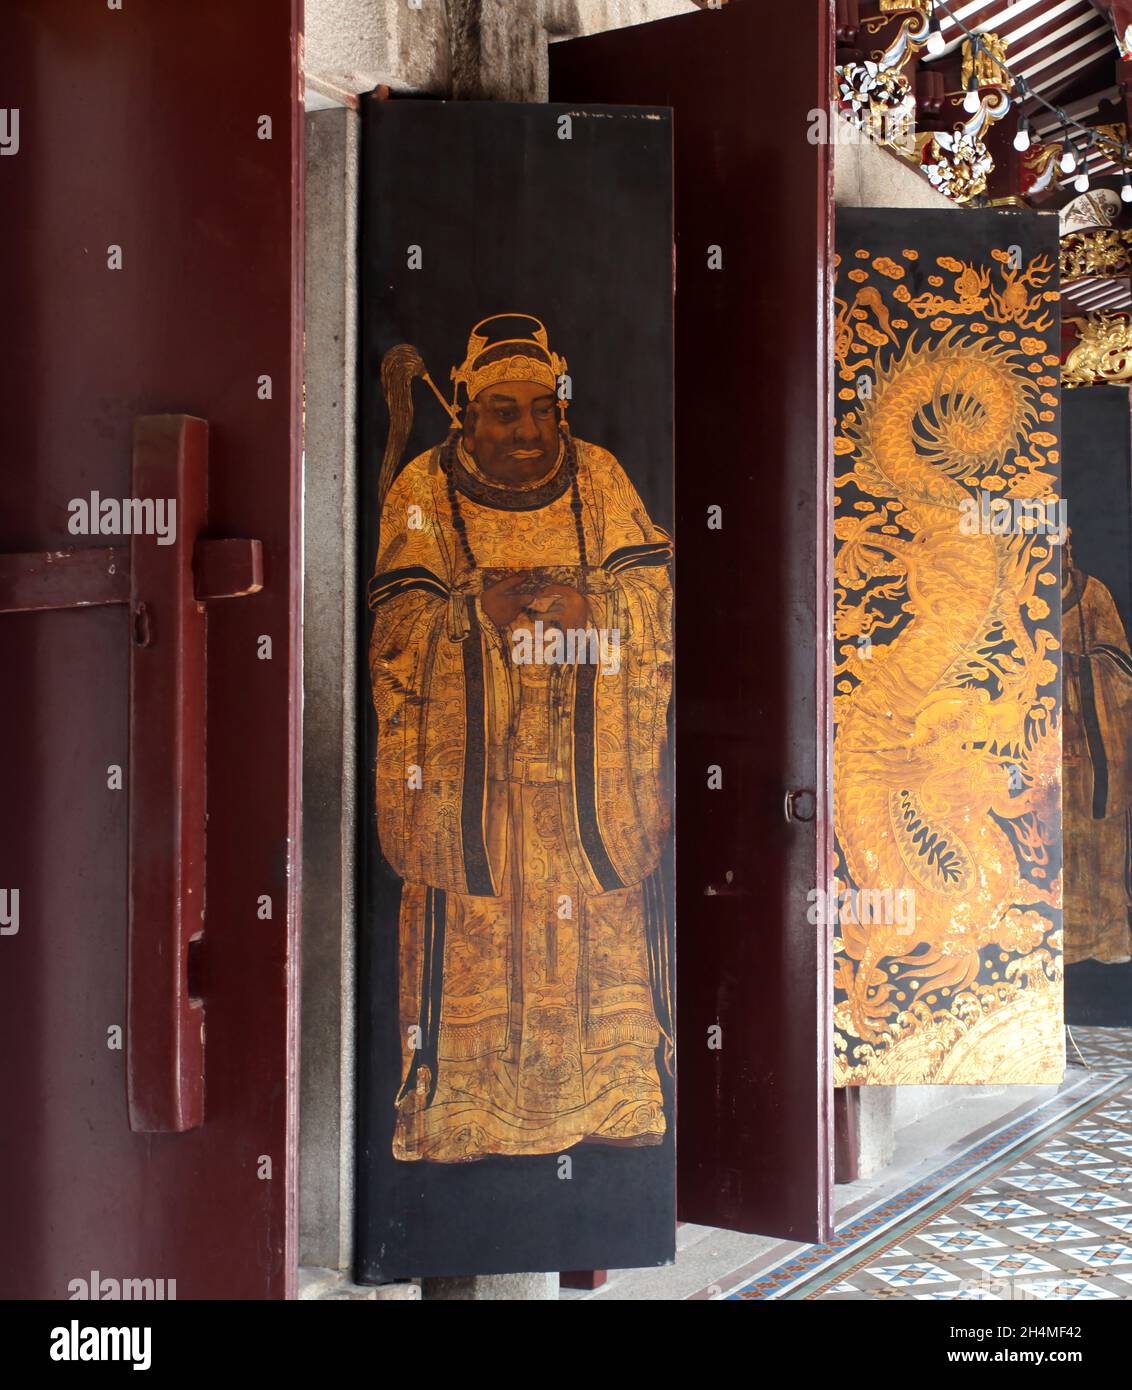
pixel 488 360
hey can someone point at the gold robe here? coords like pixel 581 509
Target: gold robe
pixel 1097 773
pixel 526 807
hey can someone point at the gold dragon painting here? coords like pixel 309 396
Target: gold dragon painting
pixel 947 747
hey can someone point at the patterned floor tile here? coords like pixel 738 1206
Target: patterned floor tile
pixel 904 1275
pixel 1090 1201
pixel 1070 1158
pixel 1102 1256
pixel 1040 1182
pixel 1040 1208
pixel 1101 1049
pixel 1010 1266
pixel 970 1293
pixel 1004 1209
pixel 1121 1222
pixel 1067 1289
pixel 962 1239
pixel 1050 1231
pixel 1115 1175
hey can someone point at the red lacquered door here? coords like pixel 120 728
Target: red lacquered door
pixel 149 704
pixel 754 261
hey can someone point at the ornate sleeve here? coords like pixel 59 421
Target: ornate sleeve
pixel 426 664
pixel 621 706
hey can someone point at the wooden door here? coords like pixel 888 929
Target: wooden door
pixel 151 227
pixel 753 217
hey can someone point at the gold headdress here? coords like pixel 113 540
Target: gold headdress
pixel 530 359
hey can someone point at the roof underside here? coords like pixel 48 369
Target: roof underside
pixel 1066 52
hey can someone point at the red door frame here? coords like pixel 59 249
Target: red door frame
pixel 141 128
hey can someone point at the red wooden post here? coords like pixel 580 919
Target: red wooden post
pixel 165 1031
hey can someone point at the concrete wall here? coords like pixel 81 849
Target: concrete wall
pixel 353 46
pixel 494 49
pixel 865 175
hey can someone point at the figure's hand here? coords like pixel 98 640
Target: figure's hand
pixel 558 605
pixel 504 601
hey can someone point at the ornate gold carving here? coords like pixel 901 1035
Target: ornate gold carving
pixel 1039 168
pixel 1104 252
pixel 1103 352
pixel 1117 133
pixel 897 6
pixel 875 96
pixel 990 65
pixel 956 163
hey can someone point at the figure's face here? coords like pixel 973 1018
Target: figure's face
pixel 511 431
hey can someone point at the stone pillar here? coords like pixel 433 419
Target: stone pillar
pixel 326 1095
pixel 497 50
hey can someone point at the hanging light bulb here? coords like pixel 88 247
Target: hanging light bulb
pixel 1081 182
pixel 1022 138
pixel 1126 182
pixel 1068 158
pixel 936 43
pixel 972 101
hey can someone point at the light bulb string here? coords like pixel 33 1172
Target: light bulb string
pixel 1068 123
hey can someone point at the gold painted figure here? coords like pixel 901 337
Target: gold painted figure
pixel 521 665
pixel 1097 774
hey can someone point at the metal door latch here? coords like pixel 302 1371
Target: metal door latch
pixel 801 805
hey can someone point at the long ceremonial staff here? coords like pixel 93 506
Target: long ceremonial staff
pixel 399 368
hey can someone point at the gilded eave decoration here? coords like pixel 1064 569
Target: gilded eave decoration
pixel 1102 354
pixel 1107 251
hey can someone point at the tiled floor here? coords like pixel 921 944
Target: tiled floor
pixel 1037 1203
pixel 1040 1207
pixel 1107 1050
